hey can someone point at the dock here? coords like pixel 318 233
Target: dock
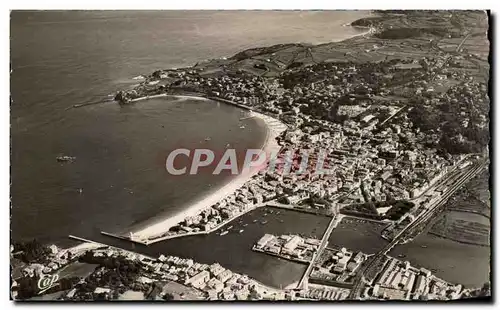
pixel 195 233
pixel 271 204
pixel 85 240
pixel 324 241
pixel 289 258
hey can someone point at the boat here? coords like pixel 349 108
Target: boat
pixel 401 255
pixel 208 139
pixel 65 158
pixel 263 222
pixel 241 230
pixel 229 227
pixel 255 221
pixel 245 225
pixel 242 127
pixel 224 233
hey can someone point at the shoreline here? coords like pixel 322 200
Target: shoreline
pixel 154 231
pixel 169 95
pixel 95 245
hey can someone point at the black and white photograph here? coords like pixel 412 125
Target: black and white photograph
pixel 250 155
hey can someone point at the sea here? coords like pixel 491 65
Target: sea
pixel 64 58
pixel 118 180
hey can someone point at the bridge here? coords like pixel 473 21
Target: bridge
pixel 324 241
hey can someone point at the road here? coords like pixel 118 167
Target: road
pixel 454 184
pixel 324 241
pixel 444 180
pixel 455 181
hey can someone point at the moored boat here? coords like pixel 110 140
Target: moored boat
pixel 65 158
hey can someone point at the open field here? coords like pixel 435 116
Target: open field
pixel 466 217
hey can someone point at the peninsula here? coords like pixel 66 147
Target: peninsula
pixel 402 113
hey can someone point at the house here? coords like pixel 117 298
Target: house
pixel 215 284
pixel 199 280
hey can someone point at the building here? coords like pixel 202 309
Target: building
pixel 264 240
pixel 242 294
pixel 339 268
pixel 420 285
pixel 215 285
pixel 102 290
pixel 358 258
pixel 387 271
pixel 225 275
pixel 199 280
pixel 292 243
pixel 410 282
pixel 216 269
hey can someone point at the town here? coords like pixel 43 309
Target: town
pixel 380 137
pixel 123 275
pixel 402 127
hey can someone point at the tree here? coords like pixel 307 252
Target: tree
pixel 32 251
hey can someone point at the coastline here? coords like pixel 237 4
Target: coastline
pixel 156 230
pixel 307 92
pixel 169 95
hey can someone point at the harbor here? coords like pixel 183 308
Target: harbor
pixel 233 250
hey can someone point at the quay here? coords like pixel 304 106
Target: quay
pixel 271 203
pixel 324 241
pixel 289 258
pixel 194 233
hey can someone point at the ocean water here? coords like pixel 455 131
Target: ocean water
pixel 118 180
pixel 234 250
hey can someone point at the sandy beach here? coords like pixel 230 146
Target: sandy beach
pixel 274 127
pixel 168 95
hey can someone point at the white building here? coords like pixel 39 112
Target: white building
pixel 292 243
pixel 199 280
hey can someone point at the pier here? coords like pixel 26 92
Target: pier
pixel 324 241
pixel 271 204
pixel 289 258
pixel 195 233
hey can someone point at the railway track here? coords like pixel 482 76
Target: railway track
pixel 458 182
